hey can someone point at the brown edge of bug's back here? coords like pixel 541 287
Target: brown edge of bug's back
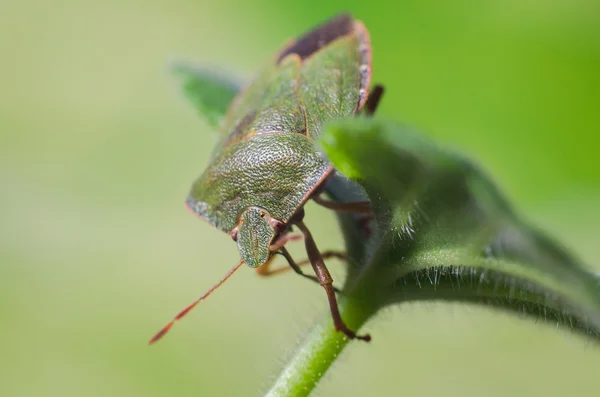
pixel 319 37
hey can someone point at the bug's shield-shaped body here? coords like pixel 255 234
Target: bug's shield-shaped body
pixel 266 164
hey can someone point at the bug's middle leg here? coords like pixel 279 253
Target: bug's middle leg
pixel 357 207
pixel 363 208
pixel 266 270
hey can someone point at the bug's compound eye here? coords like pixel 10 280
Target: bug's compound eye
pixel 234 234
pixel 255 234
pixel 278 226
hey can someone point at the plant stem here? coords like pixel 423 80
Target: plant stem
pixel 319 351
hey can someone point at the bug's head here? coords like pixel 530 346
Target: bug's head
pixel 255 233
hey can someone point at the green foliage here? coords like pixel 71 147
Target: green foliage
pixel 444 232
pixel 209 92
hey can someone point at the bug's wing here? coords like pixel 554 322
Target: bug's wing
pixel 328 68
pixel 209 91
pixel 270 104
pixel 335 79
pixel 247 101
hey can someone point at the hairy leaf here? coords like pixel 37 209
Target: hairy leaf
pixel 444 232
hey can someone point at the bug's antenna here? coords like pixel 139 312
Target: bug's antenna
pixel 189 307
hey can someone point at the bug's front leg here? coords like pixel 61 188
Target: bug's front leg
pixel 326 282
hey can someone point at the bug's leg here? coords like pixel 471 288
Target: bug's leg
pixel 358 207
pixel 189 307
pixel 326 282
pixel 364 223
pixel 266 270
pixel 373 100
pixel 283 240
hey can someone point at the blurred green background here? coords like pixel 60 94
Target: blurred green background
pixel 98 150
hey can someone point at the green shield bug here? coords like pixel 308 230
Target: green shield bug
pixel 266 165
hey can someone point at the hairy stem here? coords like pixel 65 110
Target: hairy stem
pixel 318 351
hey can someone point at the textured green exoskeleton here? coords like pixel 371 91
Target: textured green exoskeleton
pixel 266 165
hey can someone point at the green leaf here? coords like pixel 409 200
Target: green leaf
pixel 444 232
pixel 210 92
